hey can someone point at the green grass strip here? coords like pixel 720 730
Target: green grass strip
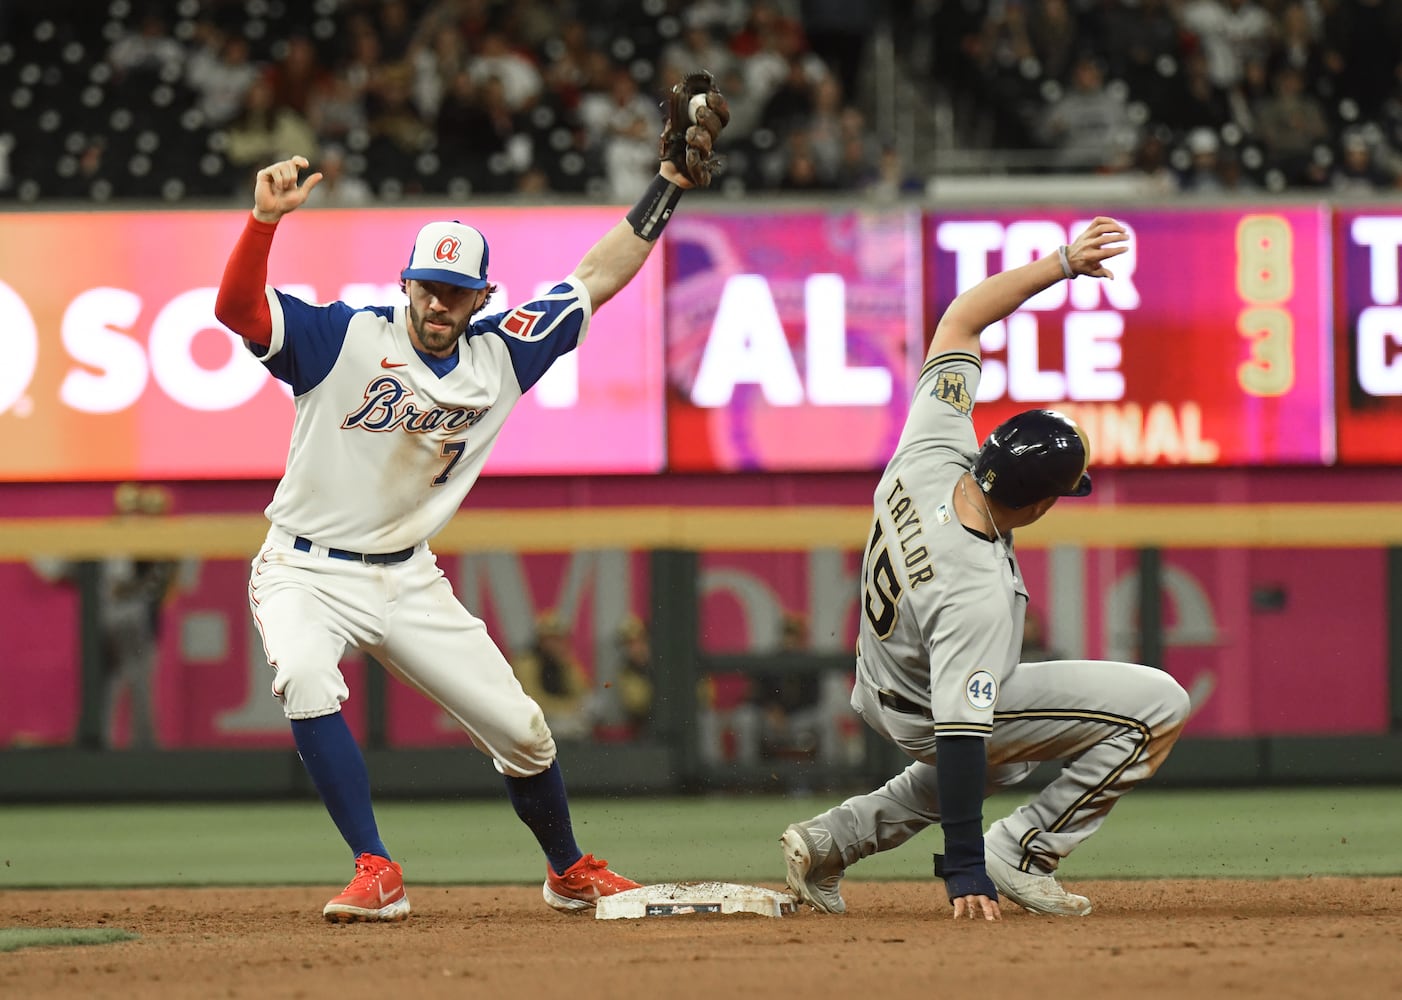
pixel 15 938
pixel 1230 833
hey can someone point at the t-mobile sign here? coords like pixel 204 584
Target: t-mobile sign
pixel 116 367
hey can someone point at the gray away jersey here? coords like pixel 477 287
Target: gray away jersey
pixel 942 609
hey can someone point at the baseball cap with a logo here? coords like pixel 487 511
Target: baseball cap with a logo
pixel 451 252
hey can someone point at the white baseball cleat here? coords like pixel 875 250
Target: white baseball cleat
pixel 1033 892
pixel 814 866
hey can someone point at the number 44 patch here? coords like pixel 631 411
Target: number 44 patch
pixel 981 690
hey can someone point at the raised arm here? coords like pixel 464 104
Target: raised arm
pixel 242 305
pixel 619 255
pixel 696 113
pixel 1000 295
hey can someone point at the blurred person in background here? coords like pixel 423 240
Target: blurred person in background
pixel 824 125
pixel 1203 174
pixel 892 180
pixel 567 67
pixel 494 149
pixel 1054 37
pixel 792 101
pixel 436 61
pixel 131 597
pixel 1195 101
pixel 765 47
pixel 394 25
pixel 1256 86
pixel 521 82
pixel 1002 102
pixel 1233 175
pixel 1089 126
pixel 263 131
pixel 1298 44
pixel 1151 160
pixel 1141 41
pixel 698 45
pixel 340 186
pixel 149 49
pixel 297 75
pixel 744 109
pixel 861 155
pixel 1390 115
pixel 362 58
pixel 802 172
pixel 1290 123
pixel 623 127
pixel 728 722
pixel 220 71
pixel 788 699
pixel 550 672
pixel 1230 33
pixel 1360 168
pixel 637 687
pixel 397 133
pixel 337 112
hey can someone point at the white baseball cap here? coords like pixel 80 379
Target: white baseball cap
pixel 449 252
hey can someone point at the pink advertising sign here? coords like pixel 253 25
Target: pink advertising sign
pixel 1210 346
pixel 793 339
pixel 116 367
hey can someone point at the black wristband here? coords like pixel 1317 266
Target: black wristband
pixel 654 208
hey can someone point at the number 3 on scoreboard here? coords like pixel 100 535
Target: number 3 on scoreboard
pixel 1265 280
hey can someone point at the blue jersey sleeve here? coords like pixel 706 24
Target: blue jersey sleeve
pixel 540 331
pixel 312 339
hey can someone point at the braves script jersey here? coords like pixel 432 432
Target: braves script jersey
pixel 387 442
pixel 943 608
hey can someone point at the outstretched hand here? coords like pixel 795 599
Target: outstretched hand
pixel 276 191
pixel 1102 239
pixel 974 906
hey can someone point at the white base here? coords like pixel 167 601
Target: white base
pixel 671 899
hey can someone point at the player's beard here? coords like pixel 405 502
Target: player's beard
pixel 435 340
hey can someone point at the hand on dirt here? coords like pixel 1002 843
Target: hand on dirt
pixel 972 906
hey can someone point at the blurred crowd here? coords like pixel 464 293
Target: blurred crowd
pixel 174 99
pixel 1199 95
pixel 391 98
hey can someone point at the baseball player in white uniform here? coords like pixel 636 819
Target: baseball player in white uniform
pixel 940 634
pixel 397 408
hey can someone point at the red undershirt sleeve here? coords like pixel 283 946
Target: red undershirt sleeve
pixel 242 304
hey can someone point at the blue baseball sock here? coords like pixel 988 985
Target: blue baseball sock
pixel 541 803
pixel 337 769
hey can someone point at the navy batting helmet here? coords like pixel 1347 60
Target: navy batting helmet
pixel 1032 456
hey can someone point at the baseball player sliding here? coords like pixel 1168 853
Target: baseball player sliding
pixel 940 633
pixel 397 408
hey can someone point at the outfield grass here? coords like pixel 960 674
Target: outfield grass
pixel 1151 833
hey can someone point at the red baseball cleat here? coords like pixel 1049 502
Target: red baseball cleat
pixel 582 883
pixel 376 893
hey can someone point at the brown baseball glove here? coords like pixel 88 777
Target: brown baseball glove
pixel 696 113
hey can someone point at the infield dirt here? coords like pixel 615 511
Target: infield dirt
pixel 1296 938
